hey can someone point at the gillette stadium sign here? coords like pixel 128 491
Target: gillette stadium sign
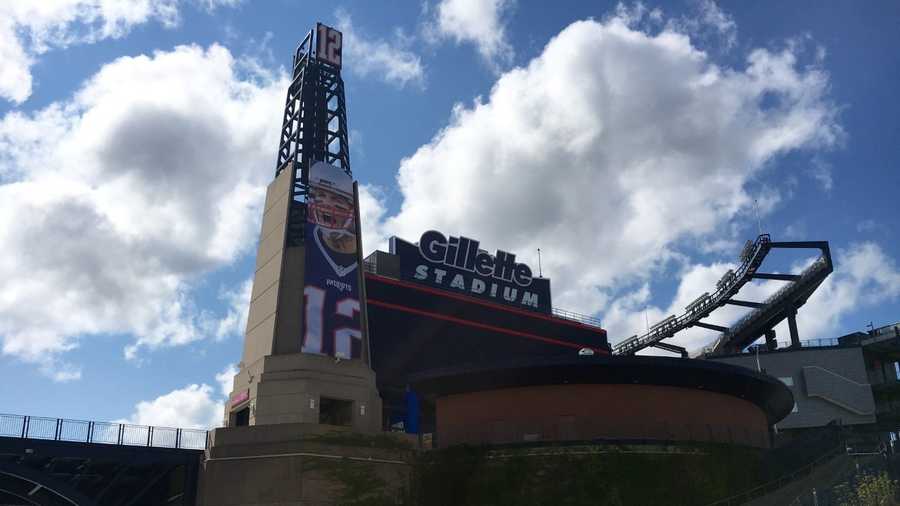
pixel 458 264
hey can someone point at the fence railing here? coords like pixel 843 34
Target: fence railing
pixel 82 431
pixel 577 317
pixel 823 342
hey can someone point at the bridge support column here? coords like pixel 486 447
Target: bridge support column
pixel 771 343
pixel 792 325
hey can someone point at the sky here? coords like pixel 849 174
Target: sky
pixel 637 145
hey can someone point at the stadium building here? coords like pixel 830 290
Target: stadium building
pixel 349 362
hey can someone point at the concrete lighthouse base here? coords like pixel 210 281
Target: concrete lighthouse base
pixel 302 464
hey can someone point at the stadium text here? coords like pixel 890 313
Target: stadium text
pixel 476 286
pixel 463 253
pixel 458 264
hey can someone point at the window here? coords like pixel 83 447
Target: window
pixel 242 417
pixel 335 411
pixel 787 380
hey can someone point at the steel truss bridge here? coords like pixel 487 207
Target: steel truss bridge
pixel 58 462
pixel 762 318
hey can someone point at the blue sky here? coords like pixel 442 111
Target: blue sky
pixel 632 143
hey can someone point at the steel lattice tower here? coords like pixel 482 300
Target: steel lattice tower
pixel 314 127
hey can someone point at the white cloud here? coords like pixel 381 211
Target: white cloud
pixel 864 276
pixel 31 28
pixel 371 216
pixel 115 201
pixel 225 379
pixel 480 22
pixel 796 230
pixel 866 225
pixel 194 406
pixel 61 371
pixel 608 149
pixel 871 226
pixel 821 172
pixel 15 65
pixel 391 61
pixel 235 321
pixel 708 21
pixel 211 5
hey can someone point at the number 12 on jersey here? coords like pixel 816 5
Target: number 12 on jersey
pixel 330 329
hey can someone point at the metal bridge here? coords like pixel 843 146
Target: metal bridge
pixel 54 462
pixel 763 317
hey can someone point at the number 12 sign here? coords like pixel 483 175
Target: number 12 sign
pixel 328 49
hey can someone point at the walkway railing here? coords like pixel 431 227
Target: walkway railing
pixel 730 284
pixel 824 342
pixel 81 431
pixel 577 317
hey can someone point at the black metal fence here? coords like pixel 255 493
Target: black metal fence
pixel 81 431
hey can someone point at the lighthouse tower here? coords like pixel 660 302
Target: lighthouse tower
pixel 306 357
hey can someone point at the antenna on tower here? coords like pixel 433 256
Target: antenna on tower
pixel 540 270
pixel 758 221
pixel 314 125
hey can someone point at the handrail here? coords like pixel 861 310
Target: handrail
pixel 761 490
pixel 753 256
pixel 819 342
pixel 85 431
pixel 848 380
pixel 577 317
pixel 820 264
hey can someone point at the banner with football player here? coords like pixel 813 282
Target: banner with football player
pixel 331 293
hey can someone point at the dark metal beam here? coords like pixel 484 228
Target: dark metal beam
pixel 771 343
pixel 152 481
pixel 61 490
pixel 735 302
pixel 799 244
pixel 710 326
pixel 10 493
pixel 778 277
pixel 671 347
pixel 112 483
pixel 106 452
pixel 792 325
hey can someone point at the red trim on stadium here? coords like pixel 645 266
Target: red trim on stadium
pixel 484 326
pixel 473 300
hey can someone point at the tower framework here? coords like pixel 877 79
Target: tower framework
pixel 314 125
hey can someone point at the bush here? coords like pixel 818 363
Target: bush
pixel 870 490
